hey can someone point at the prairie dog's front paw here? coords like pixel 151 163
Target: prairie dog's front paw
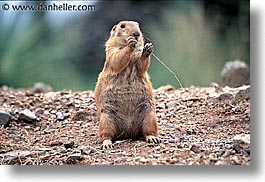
pixel 131 42
pixel 148 49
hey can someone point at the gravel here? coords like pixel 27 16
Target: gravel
pixel 197 126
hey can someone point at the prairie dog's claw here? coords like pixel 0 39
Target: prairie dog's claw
pixel 152 139
pixel 131 41
pixel 106 144
pixel 148 49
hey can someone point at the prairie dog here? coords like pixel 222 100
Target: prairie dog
pixel 123 93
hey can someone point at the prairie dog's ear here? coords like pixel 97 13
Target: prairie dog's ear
pixel 113 30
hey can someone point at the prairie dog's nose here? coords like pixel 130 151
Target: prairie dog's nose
pixel 136 34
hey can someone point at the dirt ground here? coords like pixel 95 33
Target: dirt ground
pixel 197 126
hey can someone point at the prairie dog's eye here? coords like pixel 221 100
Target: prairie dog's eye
pixel 122 26
pixel 113 29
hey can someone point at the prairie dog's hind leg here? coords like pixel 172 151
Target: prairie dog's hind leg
pixel 107 131
pixel 150 130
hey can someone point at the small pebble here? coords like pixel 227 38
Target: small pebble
pixel 189 104
pixel 235 159
pixel 87 150
pixel 191 132
pixel 59 116
pixel 27 116
pixel 143 160
pixel 218 163
pixel 156 155
pixel 172 141
pixel 171 104
pixel 69 144
pixel 73 158
pixel 181 107
pixel 171 126
pixel 183 138
pixel 56 143
pixel 47 131
pixel 195 148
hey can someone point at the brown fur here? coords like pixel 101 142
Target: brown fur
pixel 123 94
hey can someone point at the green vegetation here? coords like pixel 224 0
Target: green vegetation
pixel 32 53
pixel 191 47
pixel 185 39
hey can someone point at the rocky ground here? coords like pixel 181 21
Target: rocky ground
pixel 197 126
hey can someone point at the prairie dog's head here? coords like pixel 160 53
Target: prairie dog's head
pixel 125 29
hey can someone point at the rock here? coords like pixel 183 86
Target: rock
pixel 56 143
pixel 70 103
pixel 225 96
pixel 220 153
pixel 181 107
pixel 156 155
pixel 143 160
pixel 171 140
pixel 228 94
pixel 242 139
pixel 213 158
pixel 189 104
pixel 10 157
pixel 220 163
pixel 160 105
pixel 217 87
pixel 243 93
pixel 171 126
pixel 5 87
pixel 27 116
pixel 39 112
pixel 59 116
pixel 188 132
pixel 163 121
pixel 171 104
pixel 241 143
pixel 221 97
pixel 235 159
pixel 235 74
pixel 191 132
pixel 165 88
pixel 45 149
pixel 195 148
pixel 5 118
pixel 183 138
pixel 247 111
pixel 63 151
pixel 80 116
pixel 68 145
pixel 47 131
pixel 74 158
pixel 85 150
pixel 41 87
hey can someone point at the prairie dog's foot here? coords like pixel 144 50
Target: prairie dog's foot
pixel 152 139
pixel 148 49
pixel 106 144
pixel 131 42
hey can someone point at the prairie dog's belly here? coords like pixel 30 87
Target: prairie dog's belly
pixel 125 100
pixel 127 104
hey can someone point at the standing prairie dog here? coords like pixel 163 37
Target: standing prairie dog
pixel 123 94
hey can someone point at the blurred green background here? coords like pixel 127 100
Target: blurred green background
pixel 66 49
